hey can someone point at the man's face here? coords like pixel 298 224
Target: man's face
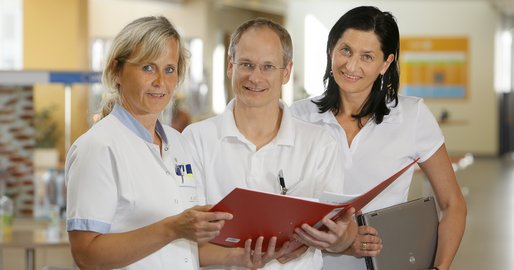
pixel 257 71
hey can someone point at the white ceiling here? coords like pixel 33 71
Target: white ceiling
pixel 279 6
pixel 270 6
pixel 504 6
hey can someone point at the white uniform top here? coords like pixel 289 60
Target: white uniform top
pixel 306 154
pixel 117 181
pixel 378 151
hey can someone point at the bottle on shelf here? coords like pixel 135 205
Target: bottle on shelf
pixel 6 212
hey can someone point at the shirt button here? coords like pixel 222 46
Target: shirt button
pixel 186 260
pixel 166 148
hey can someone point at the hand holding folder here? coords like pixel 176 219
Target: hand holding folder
pixel 265 214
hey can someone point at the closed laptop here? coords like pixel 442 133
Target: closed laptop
pixel 408 232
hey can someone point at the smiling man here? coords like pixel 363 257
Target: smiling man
pixel 256 138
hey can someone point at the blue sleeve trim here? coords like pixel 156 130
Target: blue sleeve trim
pixel 78 224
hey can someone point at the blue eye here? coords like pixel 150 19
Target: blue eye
pixel 367 58
pixel 148 68
pixel 169 70
pixel 345 51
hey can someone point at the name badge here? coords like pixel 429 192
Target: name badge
pixel 185 171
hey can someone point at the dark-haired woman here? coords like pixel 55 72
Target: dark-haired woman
pixel 380 131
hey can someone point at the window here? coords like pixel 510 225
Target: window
pixel 11 35
pixel 503 73
pixel 315 58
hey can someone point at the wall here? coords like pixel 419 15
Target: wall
pixel 54 34
pixel 476 116
pixel 55 38
pixel 108 17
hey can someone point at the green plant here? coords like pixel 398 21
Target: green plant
pixel 45 128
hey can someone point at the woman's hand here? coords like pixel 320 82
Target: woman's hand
pixel 366 243
pixel 197 224
pixel 339 236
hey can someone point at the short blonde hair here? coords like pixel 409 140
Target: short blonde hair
pixel 142 40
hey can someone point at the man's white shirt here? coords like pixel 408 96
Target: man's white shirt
pixel 307 155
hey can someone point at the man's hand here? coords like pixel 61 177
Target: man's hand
pixel 339 236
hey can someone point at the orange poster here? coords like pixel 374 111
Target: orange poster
pixel 435 67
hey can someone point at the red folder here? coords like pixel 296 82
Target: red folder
pixel 259 213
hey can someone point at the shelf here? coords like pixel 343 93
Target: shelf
pixel 29 78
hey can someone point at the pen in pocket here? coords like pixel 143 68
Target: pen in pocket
pixel 282 182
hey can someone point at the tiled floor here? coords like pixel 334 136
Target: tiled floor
pixel 488 186
pixel 488 242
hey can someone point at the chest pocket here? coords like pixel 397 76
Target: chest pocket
pixel 187 183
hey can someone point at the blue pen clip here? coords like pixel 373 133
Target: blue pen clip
pixel 180 170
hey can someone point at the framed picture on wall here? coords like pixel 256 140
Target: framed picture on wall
pixel 434 67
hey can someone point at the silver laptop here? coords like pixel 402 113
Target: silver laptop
pixel 409 235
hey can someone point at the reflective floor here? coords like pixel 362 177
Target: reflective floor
pixel 488 243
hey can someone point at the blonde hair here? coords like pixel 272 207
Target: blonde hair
pixel 142 40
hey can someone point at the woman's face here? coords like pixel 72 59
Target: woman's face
pixel 357 60
pixel 147 88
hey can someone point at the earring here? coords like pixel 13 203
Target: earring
pixel 382 83
pixel 331 74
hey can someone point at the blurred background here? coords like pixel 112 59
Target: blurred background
pixel 456 54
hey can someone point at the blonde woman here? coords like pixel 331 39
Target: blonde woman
pixel 130 180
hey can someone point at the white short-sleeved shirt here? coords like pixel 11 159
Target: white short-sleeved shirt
pixel 117 181
pixel 377 152
pixel 307 155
